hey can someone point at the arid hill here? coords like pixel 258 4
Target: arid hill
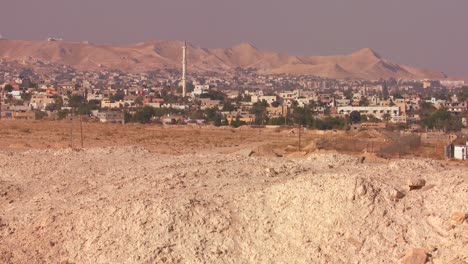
pixel 362 64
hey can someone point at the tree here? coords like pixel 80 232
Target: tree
pixel 127 117
pixel 228 106
pixel 144 115
pixel 259 110
pixel 118 96
pixel 275 104
pixel 364 101
pixel 40 115
pixel 369 118
pixel 139 101
pixel 62 114
pixel 8 88
pixel 355 117
pixel 330 123
pixel 426 110
pixel 385 91
pixel 57 105
pixel 441 119
pixel 76 100
pixel 25 96
pixel 213 115
pixel 348 94
pixel 463 94
pixel 302 115
pixel 214 95
pixel 386 117
pixel 237 122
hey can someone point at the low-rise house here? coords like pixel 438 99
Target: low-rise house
pixel 41 101
pixel 377 111
pixel 208 103
pixel 94 97
pixel 268 98
pixel 18 115
pixel 460 152
pixel 370 125
pixel 154 105
pixel 279 111
pixel 200 89
pixel 398 119
pixel 16 94
pixel 242 116
pixel 342 102
pixel 106 103
pixel 302 101
pixel 68 86
pixel 110 117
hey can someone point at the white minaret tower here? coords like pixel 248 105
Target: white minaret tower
pixel 184 69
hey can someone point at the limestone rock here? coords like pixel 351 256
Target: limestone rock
pixel 458 261
pixel 246 152
pixel 396 195
pixel 416 183
pixel 415 256
pixel 459 217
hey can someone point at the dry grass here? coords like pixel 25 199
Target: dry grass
pixel 22 135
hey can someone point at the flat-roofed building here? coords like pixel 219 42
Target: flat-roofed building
pixel 377 111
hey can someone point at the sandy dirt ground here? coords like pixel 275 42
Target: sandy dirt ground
pixel 24 135
pixel 175 198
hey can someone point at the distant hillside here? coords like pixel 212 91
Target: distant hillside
pixel 362 64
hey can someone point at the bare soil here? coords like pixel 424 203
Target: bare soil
pixel 193 195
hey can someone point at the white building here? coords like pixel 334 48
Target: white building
pixel 268 98
pixel 448 83
pixel 41 101
pixel 377 111
pixel 460 152
pixel 16 94
pixel 398 119
pixel 94 97
pixel 201 89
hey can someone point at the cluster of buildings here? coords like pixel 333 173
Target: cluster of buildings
pixel 19 101
pixel 116 90
pixel 28 94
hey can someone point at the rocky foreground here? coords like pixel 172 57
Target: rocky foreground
pixel 126 205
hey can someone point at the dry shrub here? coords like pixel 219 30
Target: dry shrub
pixel 25 130
pixel 108 133
pixel 341 144
pixel 400 146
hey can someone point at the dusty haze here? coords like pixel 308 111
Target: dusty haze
pixel 424 33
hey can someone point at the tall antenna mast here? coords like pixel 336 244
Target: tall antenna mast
pixel 184 69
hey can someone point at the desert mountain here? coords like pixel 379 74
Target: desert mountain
pixel 362 64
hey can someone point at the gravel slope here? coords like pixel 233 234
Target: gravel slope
pixel 126 205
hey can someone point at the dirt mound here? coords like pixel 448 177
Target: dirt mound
pixel 125 205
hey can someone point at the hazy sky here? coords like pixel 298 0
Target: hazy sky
pixel 425 33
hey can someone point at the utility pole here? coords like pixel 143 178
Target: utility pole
pixel 285 116
pixel 81 130
pixel 299 136
pixel 184 69
pixel 71 129
pixel 1 101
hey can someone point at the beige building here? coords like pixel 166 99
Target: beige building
pixel 106 103
pixel 110 117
